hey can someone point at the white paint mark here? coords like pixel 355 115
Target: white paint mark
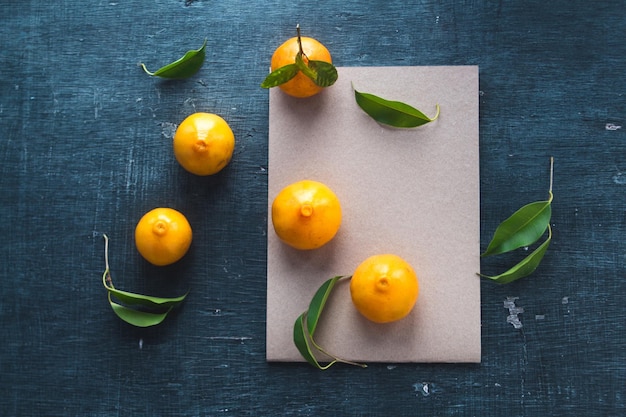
pixel 564 300
pixel 97 103
pixel 168 129
pixel 540 316
pixel 619 178
pixel 437 19
pixel 514 310
pixel 140 343
pixel 240 339
pixel 391 367
pixel 612 126
pixel 423 388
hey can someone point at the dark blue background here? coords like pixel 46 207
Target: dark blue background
pixel 85 150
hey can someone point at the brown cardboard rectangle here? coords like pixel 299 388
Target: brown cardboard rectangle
pixel 412 192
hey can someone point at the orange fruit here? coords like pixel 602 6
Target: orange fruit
pixel 306 214
pixel 204 143
pixel 384 288
pixel 163 236
pixel 300 86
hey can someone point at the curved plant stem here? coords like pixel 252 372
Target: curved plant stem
pixel 300 41
pixel 550 195
pixel 336 358
pixel 106 277
pixel 437 114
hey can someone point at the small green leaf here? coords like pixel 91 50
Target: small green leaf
pixel 523 228
pixel 326 73
pixel 318 302
pixel 526 267
pixel 183 67
pixel 144 300
pixel 138 318
pixel 280 76
pixel 392 113
pixel 152 311
pixel 306 323
pixel 301 340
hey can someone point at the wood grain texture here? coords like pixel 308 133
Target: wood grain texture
pixel 86 151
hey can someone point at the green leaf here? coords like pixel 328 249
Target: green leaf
pixel 305 326
pixel 318 302
pixel 392 113
pixel 523 228
pixel 138 318
pixel 280 76
pixel 326 73
pixel 143 300
pixel 301 340
pixel 526 267
pixel 151 311
pixel 183 67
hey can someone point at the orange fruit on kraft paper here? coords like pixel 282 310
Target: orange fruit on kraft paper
pixel 306 214
pixel 300 86
pixel 384 288
pixel 204 143
pixel 163 236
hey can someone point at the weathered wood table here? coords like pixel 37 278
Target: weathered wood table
pixel 86 150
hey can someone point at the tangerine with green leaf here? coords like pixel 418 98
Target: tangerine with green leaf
pixel 301 67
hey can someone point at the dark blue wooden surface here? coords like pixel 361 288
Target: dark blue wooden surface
pixel 85 151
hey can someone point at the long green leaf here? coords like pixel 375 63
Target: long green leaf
pixel 140 299
pixel 318 302
pixel 326 73
pixel 301 340
pixel 184 67
pixel 306 323
pixel 522 228
pixel 392 113
pixel 526 267
pixel 280 76
pixel 137 317
pixel 154 309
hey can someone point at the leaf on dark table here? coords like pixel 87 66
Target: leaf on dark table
pixel 184 67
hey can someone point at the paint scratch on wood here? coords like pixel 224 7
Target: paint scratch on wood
pixel 514 310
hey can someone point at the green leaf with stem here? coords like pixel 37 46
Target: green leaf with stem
pixel 280 76
pixel 306 324
pixel 301 340
pixel 153 309
pixel 325 73
pixel 526 267
pixel 522 229
pixel 318 302
pixel 184 67
pixel 392 113
pixel 138 318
